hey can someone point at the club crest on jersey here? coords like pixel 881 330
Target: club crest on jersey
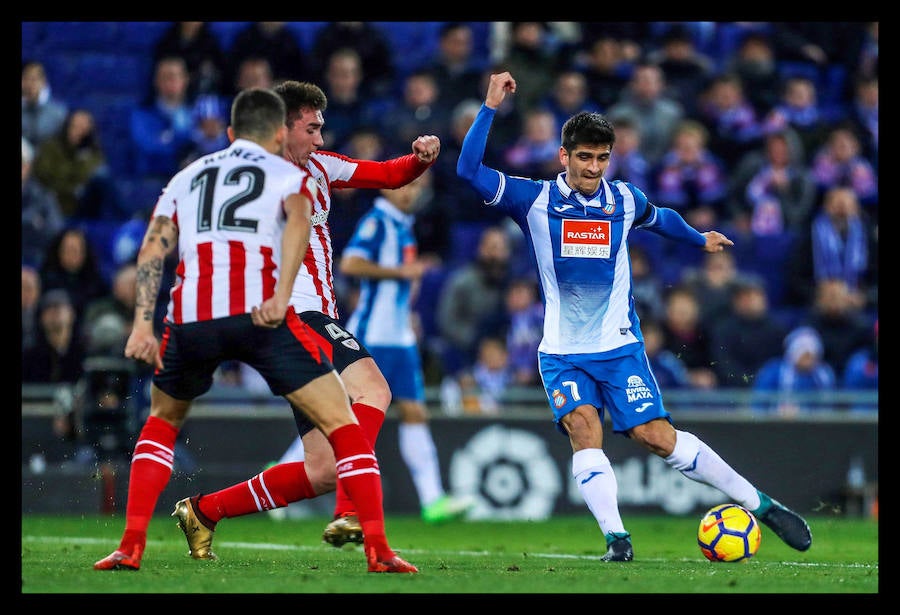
pixel 586 238
pixel 559 398
pixel 609 208
pixel 351 344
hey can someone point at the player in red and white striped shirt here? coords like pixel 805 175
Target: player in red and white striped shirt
pixel 240 219
pixel 314 299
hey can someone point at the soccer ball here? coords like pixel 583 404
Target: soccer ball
pixel 728 533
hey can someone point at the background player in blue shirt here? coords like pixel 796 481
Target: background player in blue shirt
pixel 592 355
pixel 382 254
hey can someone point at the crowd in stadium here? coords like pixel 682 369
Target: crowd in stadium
pixel 767 131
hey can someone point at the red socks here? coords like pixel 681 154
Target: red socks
pixel 151 469
pixel 357 469
pixel 273 488
pixel 370 421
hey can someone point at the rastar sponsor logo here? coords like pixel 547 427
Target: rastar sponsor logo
pixel 586 238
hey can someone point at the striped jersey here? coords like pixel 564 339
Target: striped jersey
pixel 314 286
pixel 228 210
pixel 384 235
pixel 579 244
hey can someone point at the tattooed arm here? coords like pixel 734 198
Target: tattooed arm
pixel 159 241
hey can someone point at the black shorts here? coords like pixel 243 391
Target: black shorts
pixel 341 347
pixel 287 357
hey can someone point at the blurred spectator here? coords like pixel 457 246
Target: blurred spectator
pixel 211 119
pixel 58 353
pixel 867 58
pixel 71 265
pixel 669 371
pixel 691 179
pixel 631 35
pixel 772 190
pixel 798 108
pixel 732 122
pixel 348 109
pixel 715 281
pixel 532 56
pixel 686 70
pixel 606 70
pixel 523 327
pixel 470 295
pixel 160 128
pixel 782 383
pixel 536 153
pixel 842 326
pixel 113 311
pixel 73 165
pixel 686 336
pixel 861 371
pixel 31 295
pixel 42 113
pixel 627 162
pixel 197 44
pixel 420 111
pixel 492 374
pixel 645 102
pixel 840 163
pixel 568 97
pixel 745 337
pixel 378 66
pixel 455 69
pixel 825 50
pixel 275 42
pixel 755 64
pixel 864 116
pixel 646 283
pixel 840 242
pixel 454 202
pixel 253 72
pixel 42 217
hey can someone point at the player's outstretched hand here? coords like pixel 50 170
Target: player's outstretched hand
pixel 716 241
pixel 143 346
pixel 270 314
pixel 426 148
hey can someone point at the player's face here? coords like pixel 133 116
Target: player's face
pixel 585 166
pixel 304 137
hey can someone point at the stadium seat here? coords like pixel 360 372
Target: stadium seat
pixel 83 35
pixel 413 43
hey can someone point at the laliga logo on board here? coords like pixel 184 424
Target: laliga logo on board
pixel 508 473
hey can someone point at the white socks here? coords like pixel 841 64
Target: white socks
pixel 697 461
pixel 420 454
pixel 597 483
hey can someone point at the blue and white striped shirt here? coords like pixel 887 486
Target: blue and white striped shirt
pixel 579 245
pixel 384 235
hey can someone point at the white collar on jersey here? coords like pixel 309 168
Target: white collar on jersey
pixel 566 191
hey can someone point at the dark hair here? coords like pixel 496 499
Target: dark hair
pixel 298 96
pixel 587 128
pixel 257 113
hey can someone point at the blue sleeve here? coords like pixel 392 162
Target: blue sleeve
pixel 469 166
pixel 669 223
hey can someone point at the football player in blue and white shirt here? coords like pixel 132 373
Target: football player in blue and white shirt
pixel 592 357
pixel 383 254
